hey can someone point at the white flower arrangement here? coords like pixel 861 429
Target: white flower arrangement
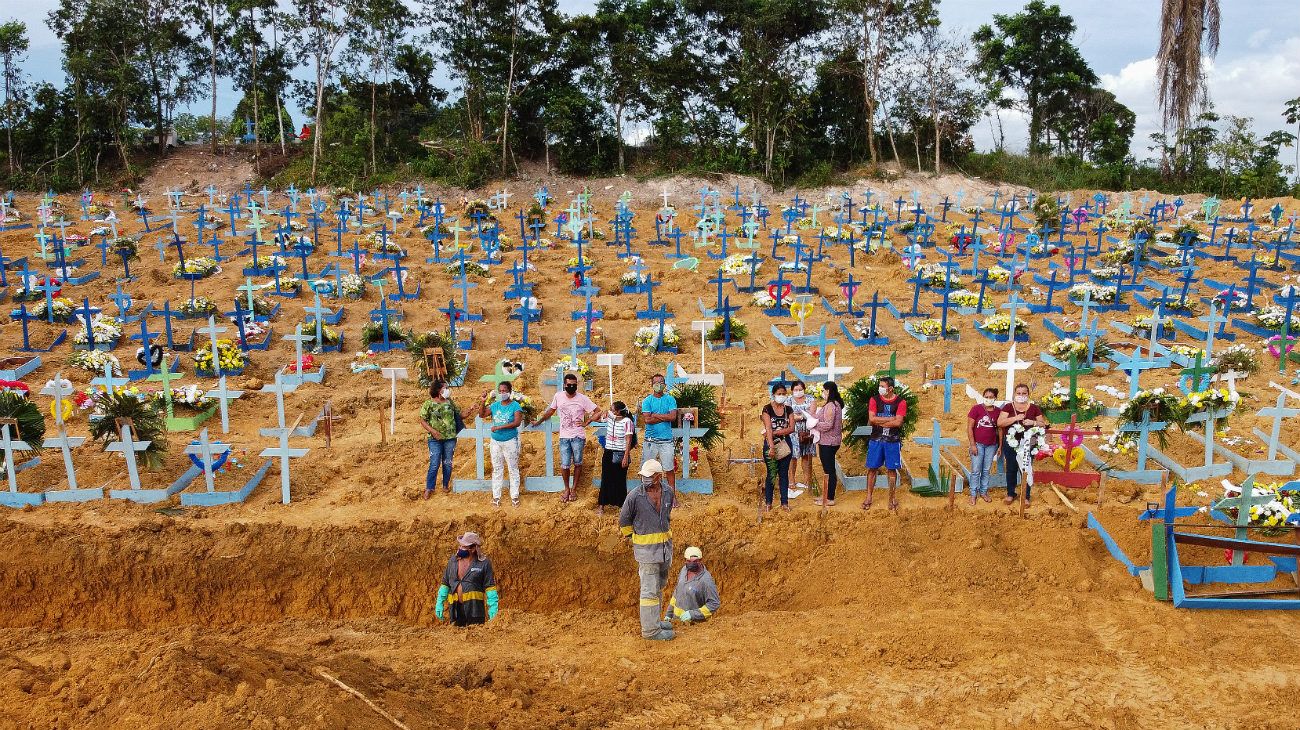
pixel 763 299
pixel 737 264
pixel 1271 316
pixel 352 286
pixel 105 329
pixel 1097 294
pixel 647 336
pixel 197 266
pixel 1106 272
pixel 1119 443
pixel 94 360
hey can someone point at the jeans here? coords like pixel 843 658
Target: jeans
pixel 440 454
pixel 981 463
pixel 505 454
pixel 1013 471
pixel 571 452
pixel 827 456
pixel 780 470
pixel 654 577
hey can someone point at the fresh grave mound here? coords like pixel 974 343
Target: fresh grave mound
pixel 168 573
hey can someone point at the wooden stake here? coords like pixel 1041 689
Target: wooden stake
pixel 1064 501
pixel 383 437
pixel 378 710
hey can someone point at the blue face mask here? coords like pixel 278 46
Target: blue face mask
pixel 462 553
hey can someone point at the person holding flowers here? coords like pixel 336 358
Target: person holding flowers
pixel 1018 415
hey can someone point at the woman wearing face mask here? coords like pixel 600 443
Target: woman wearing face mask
pixel 620 435
pixel 506 415
pixel 1019 410
pixel 468 585
pixel 830 427
pixel 801 442
pixel 982 435
pixel 440 417
pixel 777 427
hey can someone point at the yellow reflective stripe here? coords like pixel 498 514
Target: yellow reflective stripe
pixel 649 601
pixel 705 610
pixel 673 601
pixel 653 538
pixel 468 596
pixel 679 613
pixel 626 530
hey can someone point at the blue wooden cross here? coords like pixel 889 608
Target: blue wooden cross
pixel 947 382
pixel 527 313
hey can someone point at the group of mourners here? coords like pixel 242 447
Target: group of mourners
pixel 796 428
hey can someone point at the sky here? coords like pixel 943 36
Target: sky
pixel 1257 68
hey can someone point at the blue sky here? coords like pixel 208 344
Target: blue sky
pixel 1257 69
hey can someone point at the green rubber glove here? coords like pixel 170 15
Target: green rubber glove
pixel 439 607
pixel 493 604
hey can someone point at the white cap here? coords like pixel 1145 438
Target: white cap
pixel 650 468
pixel 694 553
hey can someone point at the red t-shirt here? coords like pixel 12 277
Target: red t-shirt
pixel 986 424
pixel 1032 413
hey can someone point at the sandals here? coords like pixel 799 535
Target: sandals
pixel 866 504
pixel 496 501
pixel 514 502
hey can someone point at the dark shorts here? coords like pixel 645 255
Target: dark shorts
pixel 888 454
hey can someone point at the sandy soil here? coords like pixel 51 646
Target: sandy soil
pixel 114 614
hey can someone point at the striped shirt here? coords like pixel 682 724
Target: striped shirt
pixel 616 431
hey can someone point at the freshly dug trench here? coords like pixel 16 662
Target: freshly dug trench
pixel 170 572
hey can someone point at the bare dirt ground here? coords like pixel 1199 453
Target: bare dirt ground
pixel 119 615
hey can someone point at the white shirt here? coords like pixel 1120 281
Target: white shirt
pixel 616 431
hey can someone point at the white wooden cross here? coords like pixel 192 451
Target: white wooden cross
pixel 703 326
pixel 10 445
pixel 609 360
pixel 207 452
pixel 297 338
pixel 128 447
pixel 393 375
pixel 284 453
pixel 830 370
pixel 223 396
pixel 59 389
pixel 1011 366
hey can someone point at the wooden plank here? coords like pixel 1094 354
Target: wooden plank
pixel 1271 548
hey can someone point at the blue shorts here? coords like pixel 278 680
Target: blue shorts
pixel 888 454
pixel 571 452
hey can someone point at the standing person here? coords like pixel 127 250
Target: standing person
pixel 801 442
pixel 982 435
pixel 777 427
pixel 619 435
pixel 696 597
pixel 468 584
pixel 830 426
pixel 885 413
pixel 659 411
pixel 440 417
pixel 576 411
pixel 1019 410
pixel 506 415
pixel 645 518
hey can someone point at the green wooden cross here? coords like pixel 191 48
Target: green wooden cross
pixel 1073 372
pixel 1242 503
pixel 500 376
pixel 892 371
pixel 248 288
pixel 1195 372
pixel 166 376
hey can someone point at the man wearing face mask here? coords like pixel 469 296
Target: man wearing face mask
pixel 659 412
pixel 576 411
pixel 645 520
pixel 696 597
pixel 468 585
pixel 885 412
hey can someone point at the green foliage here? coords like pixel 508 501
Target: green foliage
pixel 31 422
pixel 148 422
pixel 416 345
pixel 856 408
pixel 703 397
pixel 1047 212
pixel 938 483
pixel 739 331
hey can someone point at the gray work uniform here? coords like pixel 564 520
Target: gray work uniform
pixel 695 597
pixel 652 546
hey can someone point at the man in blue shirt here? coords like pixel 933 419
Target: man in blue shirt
pixel 659 412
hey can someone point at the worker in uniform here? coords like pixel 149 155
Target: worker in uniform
pixel 468 584
pixel 696 597
pixel 644 519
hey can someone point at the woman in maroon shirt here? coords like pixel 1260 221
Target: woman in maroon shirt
pixel 1019 410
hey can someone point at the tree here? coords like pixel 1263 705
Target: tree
pixel 624 52
pixel 13 46
pixel 317 28
pixel 374 47
pixel 216 21
pixel 1189 31
pixel 1292 114
pixel 1032 51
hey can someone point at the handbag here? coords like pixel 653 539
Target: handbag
pixel 782 449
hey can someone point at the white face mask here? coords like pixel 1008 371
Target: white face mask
pixel 778 399
pixel 882 390
pixel 989 402
pixel 502 397
pixel 446 392
pixel 798 394
pixel 1022 398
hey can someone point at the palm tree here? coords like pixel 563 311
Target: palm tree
pixel 1189 32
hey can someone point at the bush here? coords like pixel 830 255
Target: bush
pixel 701 396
